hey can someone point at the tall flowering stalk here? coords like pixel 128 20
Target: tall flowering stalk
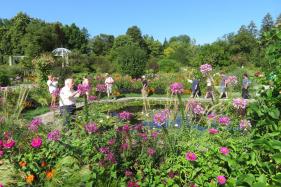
pixel 206 68
pixel 177 89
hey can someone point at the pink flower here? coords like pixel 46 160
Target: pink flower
pixel 161 117
pixel 198 109
pixel 245 124
pixel 151 151
pixel 91 128
pixel 126 128
pixel 143 136
pixel 124 146
pixel 154 134
pixel 104 150
pixel 34 124
pixel 176 88
pixel 1 144
pixel 83 88
pixel 205 68
pixel 171 174
pixel 213 131
pixel 224 150
pixel 111 141
pixel 138 127
pixel 239 103
pixel 101 88
pixel 125 115
pixel 221 179
pixel 10 143
pixel 224 120
pixel 231 80
pixel 36 142
pixel 92 98
pixel 110 157
pixel 54 135
pixel 128 173
pixel 211 116
pixel 190 156
pixel 1 153
pixel 1 185
pixel 132 184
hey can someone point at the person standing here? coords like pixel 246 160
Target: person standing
pixel 245 86
pixel 109 83
pixel 55 91
pixel 86 82
pixel 52 86
pixel 209 93
pixel 144 90
pixel 223 86
pixel 195 88
pixel 68 99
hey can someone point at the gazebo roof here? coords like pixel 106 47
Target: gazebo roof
pixel 61 52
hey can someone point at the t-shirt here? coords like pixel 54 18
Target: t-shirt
pixel 223 80
pixel 245 83
pixel 52 85
pixel 109 80
pixel 66 97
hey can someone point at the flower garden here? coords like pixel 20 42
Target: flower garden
pixel 173 143
pixel 164 137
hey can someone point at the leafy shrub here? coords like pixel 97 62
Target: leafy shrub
pixel 168 65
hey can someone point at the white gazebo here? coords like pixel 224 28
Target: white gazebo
pixel 63 52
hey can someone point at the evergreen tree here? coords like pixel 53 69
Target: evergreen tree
pixel 278 20
pixel 252 28
pixel 267 24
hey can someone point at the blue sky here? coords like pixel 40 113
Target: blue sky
pixel 203 20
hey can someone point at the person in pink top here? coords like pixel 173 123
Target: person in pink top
pixel 109 83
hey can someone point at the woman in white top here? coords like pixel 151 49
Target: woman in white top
pixel 53 86
pixel 68 99
pixel 108 82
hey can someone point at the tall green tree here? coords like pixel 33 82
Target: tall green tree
pixel 278 20
pixel 101 44
pixel 135 33
pixel 252 28
pixel 267 24
pixel 154 47
pixel 131 60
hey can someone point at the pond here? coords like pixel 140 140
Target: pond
pixel 175 120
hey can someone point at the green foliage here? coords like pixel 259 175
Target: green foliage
pixel 168 65
pixel 43 66
pixel 131 60
pixel 4 79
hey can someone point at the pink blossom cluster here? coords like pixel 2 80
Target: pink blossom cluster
pixel 231 80
pixel 54 135
pixel 161 117
pixel 143 136
pixel 245 124
pixel 176 88
pixel 211 116
pixel 109 156
pixel 224 150
pixel 9 143
pixel 83 88
pixel 239 103
pixel 34 124
pixel 224 120
pixel 92 98
pixel 101 88
pixel 151 151
pixel 125 115
pixel 206 68
pixel 128 173
pixel 154 134
pixel 221 179
pixel 125 128
pixel 195 107
pixel 111 141
pixel 190 156
pixel 36 142
pixel 213 131
pixel 91 128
